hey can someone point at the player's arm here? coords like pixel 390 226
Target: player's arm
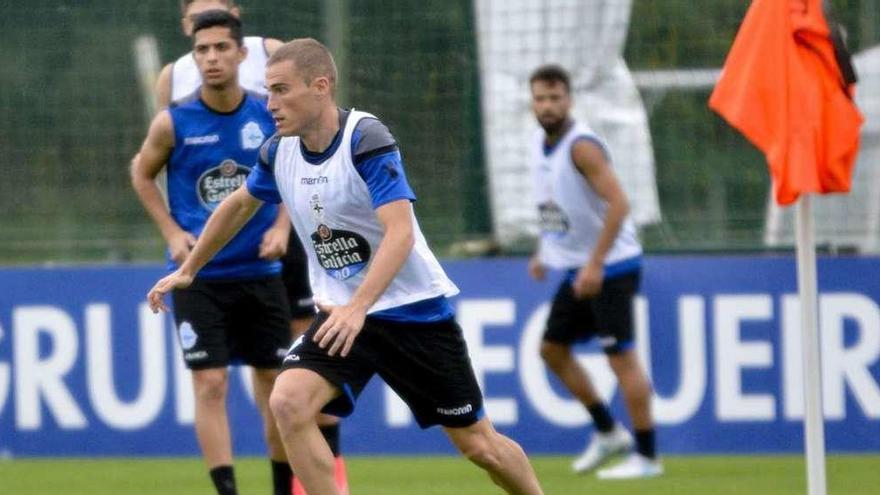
pixel 536 269
pixel 226 221
pixel 345 322
pixel 163 87
pixel 162 94
pixel 271 44
pixel 274 242
pixel 591 160
pixel 145 167
pixel 397 242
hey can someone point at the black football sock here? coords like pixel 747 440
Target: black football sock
pixel 224 480
pixel 645 443
pixel 601 417
pixel 331 434
pixel 282 477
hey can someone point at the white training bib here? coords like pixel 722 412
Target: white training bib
pixel 332 212
pixel 571 213
pixel 185 76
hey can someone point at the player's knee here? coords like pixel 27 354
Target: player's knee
pixel 625 364
pixel 290 405
pixel 554 354
pixel 210 386
pixel 629 372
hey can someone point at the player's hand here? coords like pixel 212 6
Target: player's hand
pixel 536 269
pixel 176 280
pixel 180 243
pixel 274 243
pixel 339 330
pixel 588 281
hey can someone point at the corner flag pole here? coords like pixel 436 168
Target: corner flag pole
pixel 814 433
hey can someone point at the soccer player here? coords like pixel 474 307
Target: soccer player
pixel 179 80
pixel 381 292
pixel 585 230
pixel 237 309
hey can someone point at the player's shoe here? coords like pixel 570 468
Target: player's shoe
pixel 602 447
pixel 339 473
pixel 633 466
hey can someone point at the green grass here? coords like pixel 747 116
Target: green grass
pixel 716 475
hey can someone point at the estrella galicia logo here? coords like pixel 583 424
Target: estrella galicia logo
pixel 252 136
pixel 215 184
pixel 554 221
pixel 342 253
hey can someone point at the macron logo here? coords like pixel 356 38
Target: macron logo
pixel 311 181
pixel 197 140
pixel 455 411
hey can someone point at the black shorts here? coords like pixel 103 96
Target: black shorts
pixel 608 314
pixel 295 274
pixel 230 321
pixel 427 364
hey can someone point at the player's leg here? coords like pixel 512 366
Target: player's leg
pixel 264 380
pixel 311 382
pixel 298 397
pixel 262 337
pixel 564 364
pixel 572 320
pixel 302 310
pixel 427 364
pixel 199 314
pixel 613 308
pixel 636 390
pixel 328 423
pixel 211 423
pixel 502 458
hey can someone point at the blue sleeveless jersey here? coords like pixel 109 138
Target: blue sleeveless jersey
pixel 212 156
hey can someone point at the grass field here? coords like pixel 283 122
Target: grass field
pixel 749 475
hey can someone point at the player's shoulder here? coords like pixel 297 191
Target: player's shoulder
pixel 371 134
pixel 587 143
pixel 162 126
pixel 270 45
pixel 188 101
pixel 269 149
pixel 165 73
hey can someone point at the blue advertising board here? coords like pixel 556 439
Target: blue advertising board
pixel 87 370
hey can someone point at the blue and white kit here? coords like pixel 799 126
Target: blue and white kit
pixel 212 156
pixel 332 197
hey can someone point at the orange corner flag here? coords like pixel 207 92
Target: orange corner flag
pixel 783 88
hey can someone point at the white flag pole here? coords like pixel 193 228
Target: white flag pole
pixel 814 433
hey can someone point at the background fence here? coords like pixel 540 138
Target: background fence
pixel 72 115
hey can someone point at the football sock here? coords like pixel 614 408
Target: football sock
pixel 331 434
pixel 281 477
pixel 224 480
pixel 645 443
pixel 601 417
